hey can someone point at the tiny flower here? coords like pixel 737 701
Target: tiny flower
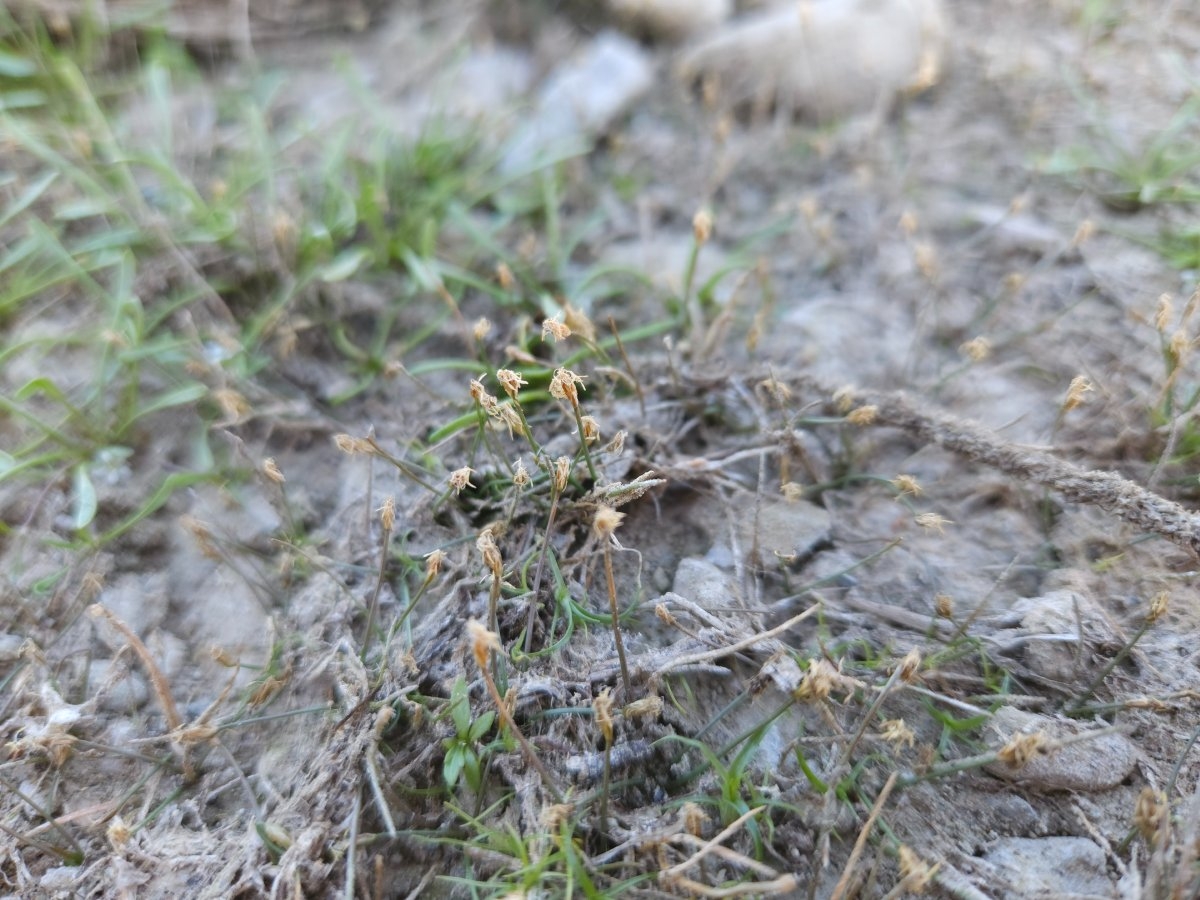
pixel 509 417
pixel 591 429
pixel 864 415
pixel 777 390
pixel 606 521
pixel 1179 345
pixel 915 873
pixel 483 642
pixel 387 514
pixel 664 615
pixel 576 320
pixel 1162 317
pixel 647 708
pixel 552 819
pixel 1151 814
pixel 818 681
pixel 520 475
pixel 1083 233
pixel 511 381
pixel 504 276
pixel 910 666
pixel 792 491
pixel 564 386
pixel 931 521
pixel 555 329
pixel 702 226
pixel 561 474
pixel 352 445
pixel 271 470
pixel 1075 391
pixel 1158 606
pixel 486 545
pixel 602 706
pixel 1021 748
pixel 617 444
pixel 907 486
pixel 481 328
pixel 977 349
pixel 843 399
pixel 943 605
pixel 460 479
pixel 896 731
pixel 434 560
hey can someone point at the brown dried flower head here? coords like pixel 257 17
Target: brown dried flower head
pixel 1152 816
pixel 915 873
pixel 910 666
pixel 647 708
pixel 792 491
pixel 504 276
pixel 506 416
pixel 482 328
pixel 943 605
pixel 931 521
pixel 1179 345
pixel 591 429
pixel 1158 606
pixel 864 415
pixel 434 560
pixel 1164 313
pixel 694 818
pixel 271 469
pixel 702 226
pixel 818 681
pixel 387 514
pixel 511 381
pixel 554 816
pixel 843 399
pixel 907 486
pixel 977 349
pixel 617 444
pixel 1075 391
pixel 483 642
pixel 461 479
pixel 352 445
pixel 552 328
pixel 1021 748
pixel 776 390
pixel 486 545
pixel 564 386
pixel 897 732
pixel 602 707
pixel 577 321
pixel 521 475
pixel 561 474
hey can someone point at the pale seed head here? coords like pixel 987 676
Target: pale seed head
pixel 1075 391
pixel 504 276
pixel 591 429
pixel 1158 606
pixel 577 321
pixel 907 486
pixel 271 469
pixel 864 415
pixel 897 732
pixel 434 560
pixel 552 328
pixel 561 474
pixel 1152 815
pixel 617 444
pixel 486 545
pixel 482 328
pixel 915 873
pixel 483 642
pixel 607 521
pixel 1179 345
pixel 1083 233
pixel 931 521
pixel 792 491
pixel 694 818
pixel 387 514
pixel 1164 313
pixel 843 399
pixel 352 445
pixel 647 708
pixel 565 386
pixel 910 666
pixel 943 605
pixel 818 681
pixel 702 226
pixel 602 707
pixel 461 479
pixel 1021 748
pixel 511 381
pixel 977 349
pixel 521 474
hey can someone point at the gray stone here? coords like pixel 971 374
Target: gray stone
pixel 121 689
pixel 581 99
pixel 1085 764
pixel 1059 867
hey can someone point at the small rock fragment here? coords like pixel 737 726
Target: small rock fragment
pixel 1063 867
pixel 581 99
pixel 824 60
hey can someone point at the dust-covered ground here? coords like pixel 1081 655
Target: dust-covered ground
pixel 862 634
